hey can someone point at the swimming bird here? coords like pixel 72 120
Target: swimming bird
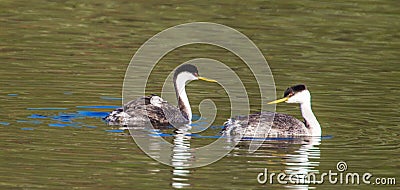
pixel 154 108
pixel 283 124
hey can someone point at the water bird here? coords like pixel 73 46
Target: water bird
pixel 282 124
pixel 154 108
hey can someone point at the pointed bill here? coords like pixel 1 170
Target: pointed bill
pixel 279 101
pixel 206 79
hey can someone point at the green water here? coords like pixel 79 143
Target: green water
pixel 69 54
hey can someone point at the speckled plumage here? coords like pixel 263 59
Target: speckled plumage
pixel 283 125
pixel 154 108
pixel 270 124
pixel 150 107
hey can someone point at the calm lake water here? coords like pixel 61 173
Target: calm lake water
pixel 63 63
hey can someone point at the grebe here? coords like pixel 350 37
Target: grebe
pixel 153 107
pixel 283 124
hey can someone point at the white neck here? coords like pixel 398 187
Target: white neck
pixel 311 120
pixel 183 101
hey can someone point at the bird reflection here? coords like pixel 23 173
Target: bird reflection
pixel 304 162
pixel 298 162
pixel 296 156
pixel 181 157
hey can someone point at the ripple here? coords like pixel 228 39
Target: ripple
pixel 58 125
pixel 110 98
pixel 27 129
pixel 98 107
pixel 47 108
pixel 115 131
pixel 4 123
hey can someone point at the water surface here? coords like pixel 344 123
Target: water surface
pixel 63 64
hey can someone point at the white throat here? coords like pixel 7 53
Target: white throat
pixel 183 101
pixel 304 99
pixel 310 119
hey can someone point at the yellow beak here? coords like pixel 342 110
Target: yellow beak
pixel 206 79
pixel 279 101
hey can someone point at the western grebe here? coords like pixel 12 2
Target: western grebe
pixel 282 125
pixel 154 108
